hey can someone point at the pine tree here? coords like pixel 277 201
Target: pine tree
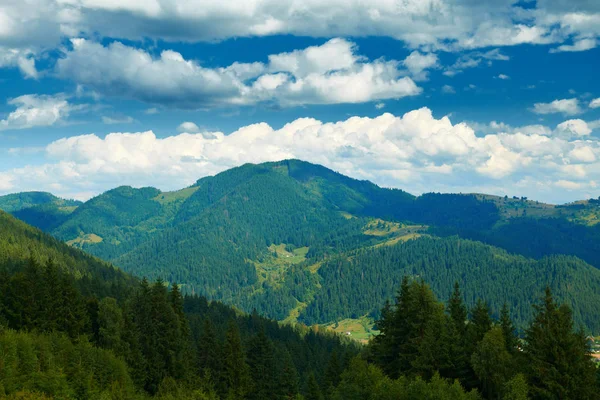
pixel 313 391
pixel 492 363
pixel 457 310
pixel 403 328
pixel 288 376
pixel 481 322
pixel 508 329
pixel 111 325
pixel 457 338
pixel 210 358
pixel 332 373
pixel 557 358
pixel 262 366
pixel 236 373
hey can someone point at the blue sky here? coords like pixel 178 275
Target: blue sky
pixel 437 95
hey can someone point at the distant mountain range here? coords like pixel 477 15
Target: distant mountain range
pixel 300 242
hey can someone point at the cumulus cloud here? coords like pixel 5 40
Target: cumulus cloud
pixel 563 106
pixel 416 151
pixel 503 77
pixel 34 110
pixel 327 74
pixel 595 103
pixel 33 27
pixel 573 128
pixel 433 23
pixel 418 64
pixel 188 127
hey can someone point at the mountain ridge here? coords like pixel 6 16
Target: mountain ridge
pixel 266 236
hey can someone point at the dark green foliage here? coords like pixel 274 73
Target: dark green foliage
pixel 364 381
pixel 360 285
pixel 20 244
pixel 55 365
pixel 236 371
pixel 261 359
pixel 211 236
pixel 555 363
pixel 542 237
pixel 558 365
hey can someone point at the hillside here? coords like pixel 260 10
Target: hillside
pixel 74 327
pixel 40 209
pixel 20 243
pixel 268 237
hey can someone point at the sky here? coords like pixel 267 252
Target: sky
pixel 501 97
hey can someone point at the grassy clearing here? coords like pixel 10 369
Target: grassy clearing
pixel 397 239
pixel 89 238
pixel 360 329
pixel 277 261
pixel 173 197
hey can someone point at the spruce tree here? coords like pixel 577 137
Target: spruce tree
pixel 508 329
pixel 332 373
pixel 262 366
pixel 457 337
pixel 210 357
pixel 492 363
pixel 557 358
pixel 313 391
pixel 288 380
pixel 236 373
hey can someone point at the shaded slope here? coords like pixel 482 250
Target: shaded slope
pixel 360 283
pixel 20 242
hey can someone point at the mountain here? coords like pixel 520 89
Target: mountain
pixel 299 242
pixel 40 209
pixel 75 327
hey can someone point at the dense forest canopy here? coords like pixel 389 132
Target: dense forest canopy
pixel 299 242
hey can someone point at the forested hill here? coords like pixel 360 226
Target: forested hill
pixel 74 327
pixel 277 237
pixel 21 244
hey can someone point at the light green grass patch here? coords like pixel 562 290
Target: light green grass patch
pixel 274 264
pixel 360 329
pixel 173 197
pixel 88 238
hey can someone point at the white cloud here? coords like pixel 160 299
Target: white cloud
pixel 327 74
pixel 188 127
pixel 433 23
pixel 33 27
pixel 118 120
pixel 579 45
pixel 416 152
pixel 418 64
pixel 573 128
pixel 379 106
pixel 19 58
pixel 34 110
pixel 503 77
pixel 448 89
pixel 563 106
pixel 151 111
pixel 595 103
pixel 474 59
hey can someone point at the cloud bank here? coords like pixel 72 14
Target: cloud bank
pixel 328 74
pixel 416 152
